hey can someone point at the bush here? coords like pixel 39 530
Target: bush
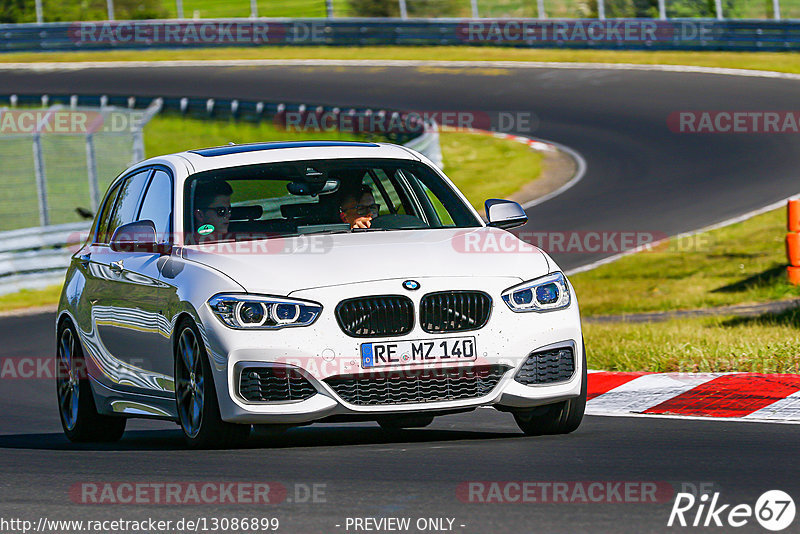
pixel 374 8
pixel 620 9
pixel 416 8
pixel 14 11
pixel 17 11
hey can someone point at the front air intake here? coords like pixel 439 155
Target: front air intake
pixel 421 386
pixel 547 367
pixel 274 384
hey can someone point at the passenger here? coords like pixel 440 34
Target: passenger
pixel 357 208
pixel 212 214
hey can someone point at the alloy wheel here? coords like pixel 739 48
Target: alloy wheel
pixel 189 386
pixel 67 380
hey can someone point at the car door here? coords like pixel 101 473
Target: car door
pixel 154 353
pixel 94 275
pixel 125 304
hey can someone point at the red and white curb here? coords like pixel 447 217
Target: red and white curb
pixel 727 396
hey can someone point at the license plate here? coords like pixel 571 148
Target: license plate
pixel 385 354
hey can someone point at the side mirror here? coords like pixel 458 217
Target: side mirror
pixel 139 236
pixel 505 213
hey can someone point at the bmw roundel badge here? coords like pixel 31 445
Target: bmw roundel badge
pixel 411 285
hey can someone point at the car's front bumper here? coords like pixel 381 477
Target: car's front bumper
pixel 322 350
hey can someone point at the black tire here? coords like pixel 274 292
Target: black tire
pixel 76 408
pixel 560 418
pixel 400 422
pixel 196 396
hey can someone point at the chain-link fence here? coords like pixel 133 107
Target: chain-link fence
pixel 58 160
pixel 58 11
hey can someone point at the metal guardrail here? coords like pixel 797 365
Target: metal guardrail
pixel 631 34
pixel 33 258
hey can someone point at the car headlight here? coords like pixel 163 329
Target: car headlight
pixel 547 293
pixel 261 312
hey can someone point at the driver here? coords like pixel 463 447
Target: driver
pixel 357 208
pixel 212 214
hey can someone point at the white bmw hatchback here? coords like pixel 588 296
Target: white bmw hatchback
pixel 284 284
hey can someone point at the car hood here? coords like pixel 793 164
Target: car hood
pixel 279 266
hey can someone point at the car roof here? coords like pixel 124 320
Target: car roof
pixel 274 145
pixel 274 152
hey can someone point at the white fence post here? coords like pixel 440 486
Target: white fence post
pixel 179 8
pixel 253 9
pixel 662 9
pixel 601 9
pixel 718 7
pixel 540 8
pixel 138 132
pixel 403 9
pixel 329 8
pixel 41 180
pixel 776 9
pixel 110 6
pixel 91 173
pixel 39 12
pixel 474 6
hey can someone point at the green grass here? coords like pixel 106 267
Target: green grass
pixel 96 10
pixel 30 298
pixel 487 167
pixel 774 61
pixel 266 8
pixel 166 134
pixel 741 263
pixel 768 344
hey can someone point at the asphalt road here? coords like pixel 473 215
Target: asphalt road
pixel 362 472
pixel 640 177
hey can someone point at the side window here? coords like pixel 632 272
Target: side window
pixel 127 202
pixel 444 216
pixel 105 215
pixel 384 187
pixel 430 204
pixel 157 205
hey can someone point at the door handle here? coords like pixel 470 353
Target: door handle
pixel 116 266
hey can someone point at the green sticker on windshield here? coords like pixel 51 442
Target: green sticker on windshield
pixel 205 229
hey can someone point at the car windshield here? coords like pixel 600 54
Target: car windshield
pixel 311 197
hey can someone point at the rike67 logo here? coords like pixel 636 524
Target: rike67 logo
pixel 774 510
